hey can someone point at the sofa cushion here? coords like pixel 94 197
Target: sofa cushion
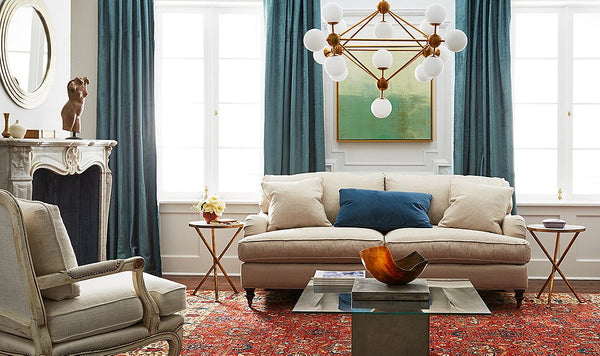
pixel 49 245
pixel 295 204
pixel 448 245
pixel 109 303
pixel 309 245
pixel 382 211
pixel 477 206
pixel 332 183
pixel 436 185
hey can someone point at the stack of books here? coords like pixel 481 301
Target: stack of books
pixel 335 281
pixel 370 293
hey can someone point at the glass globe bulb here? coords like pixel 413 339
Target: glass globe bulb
pixel 314 40
pixel 433 66
pixel 435 14
pixel 426 27
pixel 383 29
pixel 381 108
pixel 456 40
pixel 382 59
pixel 319 57
pixel 340 27
pixel 335 65
pixel 332 12
pixel 420 74
pixel 444 53
pixel 340 78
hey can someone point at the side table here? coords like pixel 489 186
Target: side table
pixel 199 225
pixel 575 230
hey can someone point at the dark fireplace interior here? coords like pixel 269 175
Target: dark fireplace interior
pixel 78 198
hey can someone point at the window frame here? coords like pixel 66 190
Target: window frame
pixel 565 103
pixel 211 10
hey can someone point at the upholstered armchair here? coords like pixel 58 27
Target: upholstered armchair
pixel 51 306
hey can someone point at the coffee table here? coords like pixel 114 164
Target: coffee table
pixel 395 327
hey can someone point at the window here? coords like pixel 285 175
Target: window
pixel 209 98
pixel 556 68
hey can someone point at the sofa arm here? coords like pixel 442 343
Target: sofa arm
pixel 514 225
pixel 256 224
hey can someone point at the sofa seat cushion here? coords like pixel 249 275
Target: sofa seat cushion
pixel 309 245
pixel 449 245
pixel 109 303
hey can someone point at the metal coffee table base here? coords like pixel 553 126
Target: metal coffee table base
pixel 390 334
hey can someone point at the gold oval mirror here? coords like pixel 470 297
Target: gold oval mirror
pixel 26 61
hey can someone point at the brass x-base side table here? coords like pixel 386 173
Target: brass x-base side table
pixel 198 225
pixel 575 230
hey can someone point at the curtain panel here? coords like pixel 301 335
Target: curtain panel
pixel 294 114
pixel 126 113
pixel 483 121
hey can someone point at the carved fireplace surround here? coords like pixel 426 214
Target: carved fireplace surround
pixel 20 158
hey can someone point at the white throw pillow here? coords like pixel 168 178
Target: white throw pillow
pixel 476 206
pixel 295 204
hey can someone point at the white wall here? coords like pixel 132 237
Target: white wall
pixel 47 115
pixel 84 57
pixel 423 158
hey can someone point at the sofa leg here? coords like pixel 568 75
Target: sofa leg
pixel 519 295
pixel 249 295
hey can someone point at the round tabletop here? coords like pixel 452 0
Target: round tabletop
pixel 566 228
pixel 217 225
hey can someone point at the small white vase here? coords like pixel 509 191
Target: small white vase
pixel 17 130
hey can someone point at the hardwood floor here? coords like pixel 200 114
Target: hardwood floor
pixel 587 286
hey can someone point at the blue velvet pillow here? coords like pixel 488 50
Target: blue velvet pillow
pixel 381 210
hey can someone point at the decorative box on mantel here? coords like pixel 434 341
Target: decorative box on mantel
pixel 72 174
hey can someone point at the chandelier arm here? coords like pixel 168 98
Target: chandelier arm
pixel 358 63
pixel 407 63
pixel 390 48
pixel 406 22
pixel 368 19
pixel 395 17
pixel 359 22
pixel 385 39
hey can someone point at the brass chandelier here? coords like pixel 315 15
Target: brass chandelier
pixel 341 44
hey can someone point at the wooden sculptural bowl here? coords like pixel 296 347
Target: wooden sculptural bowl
pixel 379 262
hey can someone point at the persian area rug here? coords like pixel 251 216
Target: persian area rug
pixel 231 328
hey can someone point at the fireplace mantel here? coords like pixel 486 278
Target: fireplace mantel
pixel 20 158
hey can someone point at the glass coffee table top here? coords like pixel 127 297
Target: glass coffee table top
pixel 447 296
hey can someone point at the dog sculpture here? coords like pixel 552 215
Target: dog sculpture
pixel 71 112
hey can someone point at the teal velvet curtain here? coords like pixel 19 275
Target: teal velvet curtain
pixel 126 114
pixel 483 122
pixel 294 127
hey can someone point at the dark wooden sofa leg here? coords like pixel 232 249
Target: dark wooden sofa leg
pixel 519 295
pixel 249 295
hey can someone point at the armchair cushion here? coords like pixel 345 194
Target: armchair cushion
pixel 109 303
pixel 49 244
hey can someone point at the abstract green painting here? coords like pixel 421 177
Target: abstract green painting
pixel 411 119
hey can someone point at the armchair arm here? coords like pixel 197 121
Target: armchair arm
pixel 514 225
pixel 93 270
pixel 256 224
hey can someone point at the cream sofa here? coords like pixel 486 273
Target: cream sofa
pixel 288 258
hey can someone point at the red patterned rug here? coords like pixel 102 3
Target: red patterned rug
pixel 231 328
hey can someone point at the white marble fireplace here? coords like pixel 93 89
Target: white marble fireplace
pixel 20 159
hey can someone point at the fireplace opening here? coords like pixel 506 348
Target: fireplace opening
pixel 78 197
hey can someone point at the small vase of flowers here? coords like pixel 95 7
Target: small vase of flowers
pixel 211 208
